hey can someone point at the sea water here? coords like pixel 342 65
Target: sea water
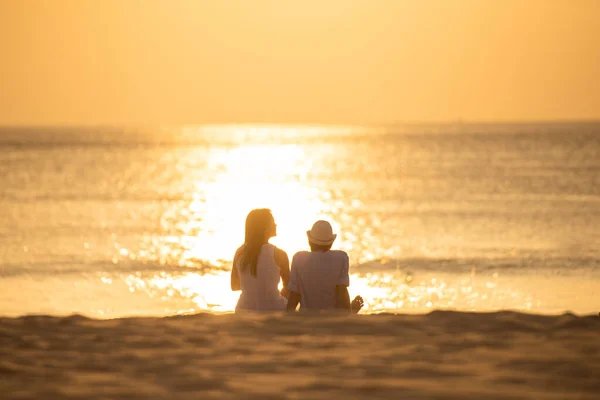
pixel 113 221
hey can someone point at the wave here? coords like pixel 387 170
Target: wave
pixel 61 268
pixel 559 266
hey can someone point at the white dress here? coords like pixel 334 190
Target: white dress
pixel 261 293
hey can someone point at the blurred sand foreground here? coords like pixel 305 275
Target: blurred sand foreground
pixel 441 355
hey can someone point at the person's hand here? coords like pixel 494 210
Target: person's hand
pixel 285 292
pixel 357 304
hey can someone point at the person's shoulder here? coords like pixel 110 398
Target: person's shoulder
pixel 339 253
pixel 278 251
pixel 239 251
pixel 301 255
pixel 340 257
pixel 281 257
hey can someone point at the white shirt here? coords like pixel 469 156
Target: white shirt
pixel 261 293
pixel 315 275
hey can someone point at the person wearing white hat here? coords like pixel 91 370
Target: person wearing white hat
pixel 319 279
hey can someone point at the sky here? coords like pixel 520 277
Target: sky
pixel 78 62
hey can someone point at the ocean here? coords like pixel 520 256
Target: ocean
pixel 111 222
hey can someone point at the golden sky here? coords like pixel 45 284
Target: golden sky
pixel 309 61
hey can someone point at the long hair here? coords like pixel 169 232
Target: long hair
pixel 258 222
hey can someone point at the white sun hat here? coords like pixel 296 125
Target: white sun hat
pixel 321 233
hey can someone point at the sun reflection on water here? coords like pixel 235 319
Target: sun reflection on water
pixel 254 177
pixel 210 227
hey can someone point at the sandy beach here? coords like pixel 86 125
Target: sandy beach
pixel 441 355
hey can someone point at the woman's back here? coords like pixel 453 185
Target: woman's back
pixel 261 292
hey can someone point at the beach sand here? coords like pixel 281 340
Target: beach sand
pixel 441 355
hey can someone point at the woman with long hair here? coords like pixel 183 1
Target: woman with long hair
pixel 258 266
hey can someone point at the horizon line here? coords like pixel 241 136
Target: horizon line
pixel 311 124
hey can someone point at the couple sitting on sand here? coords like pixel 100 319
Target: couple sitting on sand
pixel 318 279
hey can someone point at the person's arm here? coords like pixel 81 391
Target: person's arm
pixel 342 297
pixel 282 260
pixel 293 290
pixel 293 301
pixel 235 277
